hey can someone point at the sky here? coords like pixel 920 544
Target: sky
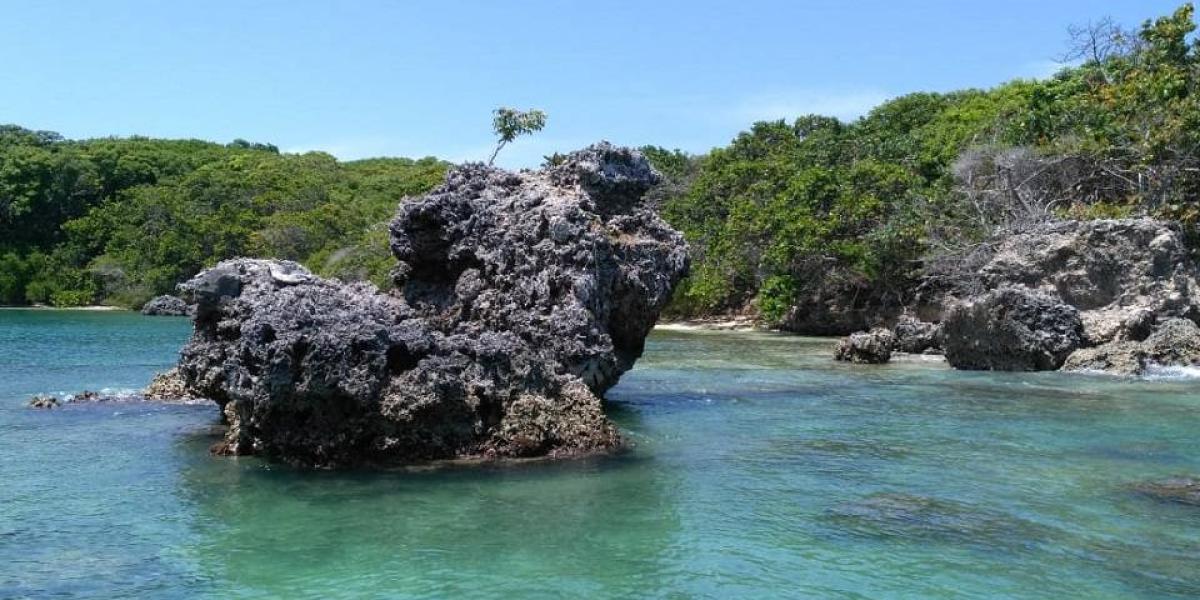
pixel 420 78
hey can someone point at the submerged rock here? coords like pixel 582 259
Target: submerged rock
pixel 922 518
pixel 43 401
pixel 1181 490
pixel 520 299
pixel 166 306
pixel 1012 329
pixel 1176 343
pixel 866 347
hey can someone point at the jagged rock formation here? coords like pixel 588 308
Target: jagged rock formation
pixel 1012 329
pixel 866 347
pixel 168 386
pixel 1175 343
pixel 521 297
pixel 1120 274
pixel 915 336
pixel 166 306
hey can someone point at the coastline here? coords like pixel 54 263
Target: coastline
pixel 713 324
pixel 92 307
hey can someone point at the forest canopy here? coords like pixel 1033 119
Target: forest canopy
pixel 788 217
pixel 121 220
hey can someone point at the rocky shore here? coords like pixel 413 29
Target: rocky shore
pixel 520 298
pixel 1116 296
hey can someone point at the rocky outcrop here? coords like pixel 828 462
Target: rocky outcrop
pixel 1176 343
pixel 866 347
pixel 1120 274
pixel 915 336
pixel 166 306
pixel 520 299
pixel 1012 329
pixel 168 386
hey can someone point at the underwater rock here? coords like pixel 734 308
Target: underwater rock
pixel 866 347
pixel 166 306
pixel 916 517
pixel 1011 329
pixel 520 299
pixel 1181 490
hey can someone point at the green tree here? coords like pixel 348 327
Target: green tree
pixel 510 123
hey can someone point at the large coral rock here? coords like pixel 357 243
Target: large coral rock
pixel 1120 274
pixel 1012 329
pixel 521 298
pixel 1176 343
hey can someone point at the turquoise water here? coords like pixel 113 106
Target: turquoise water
pixel 761 469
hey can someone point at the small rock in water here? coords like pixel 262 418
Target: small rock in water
pixel 43 401
pixel 87 396
pixel 866 347
pixel 1181 490
pixel 915 336
pixel 166 306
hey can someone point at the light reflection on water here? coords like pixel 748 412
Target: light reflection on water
pixel 761 469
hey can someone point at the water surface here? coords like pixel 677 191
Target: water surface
pixel 761 469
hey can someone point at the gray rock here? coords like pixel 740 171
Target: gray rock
pixel 1120 274
pixel 1012 329
pixel 520 299
pixel 166 306
pixel 915 336
pixel 43 401
pixel 1176 342
pixel 866 347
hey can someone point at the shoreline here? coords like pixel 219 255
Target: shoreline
pixel 43 307
pixel 713 324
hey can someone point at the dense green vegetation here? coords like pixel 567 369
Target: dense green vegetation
pixel 797 214
pixel 120 220
pixel 787 218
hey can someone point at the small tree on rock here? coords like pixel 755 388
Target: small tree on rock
pixel 510 123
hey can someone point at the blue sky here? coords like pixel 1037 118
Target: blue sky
pixel 374 78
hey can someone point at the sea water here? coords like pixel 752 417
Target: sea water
pixel 760 468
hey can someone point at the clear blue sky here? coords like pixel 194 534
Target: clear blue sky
pixel 416 78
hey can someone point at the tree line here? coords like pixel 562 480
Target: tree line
pixel 792 216
pixel 789 216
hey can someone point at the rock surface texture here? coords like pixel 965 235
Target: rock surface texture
pixel 1119 274
pixel 1176 343
pixel 1012 329
pixel 520 299
pixel 166 306
pixel 866 347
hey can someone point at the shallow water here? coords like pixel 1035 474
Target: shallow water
pixel 761 469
